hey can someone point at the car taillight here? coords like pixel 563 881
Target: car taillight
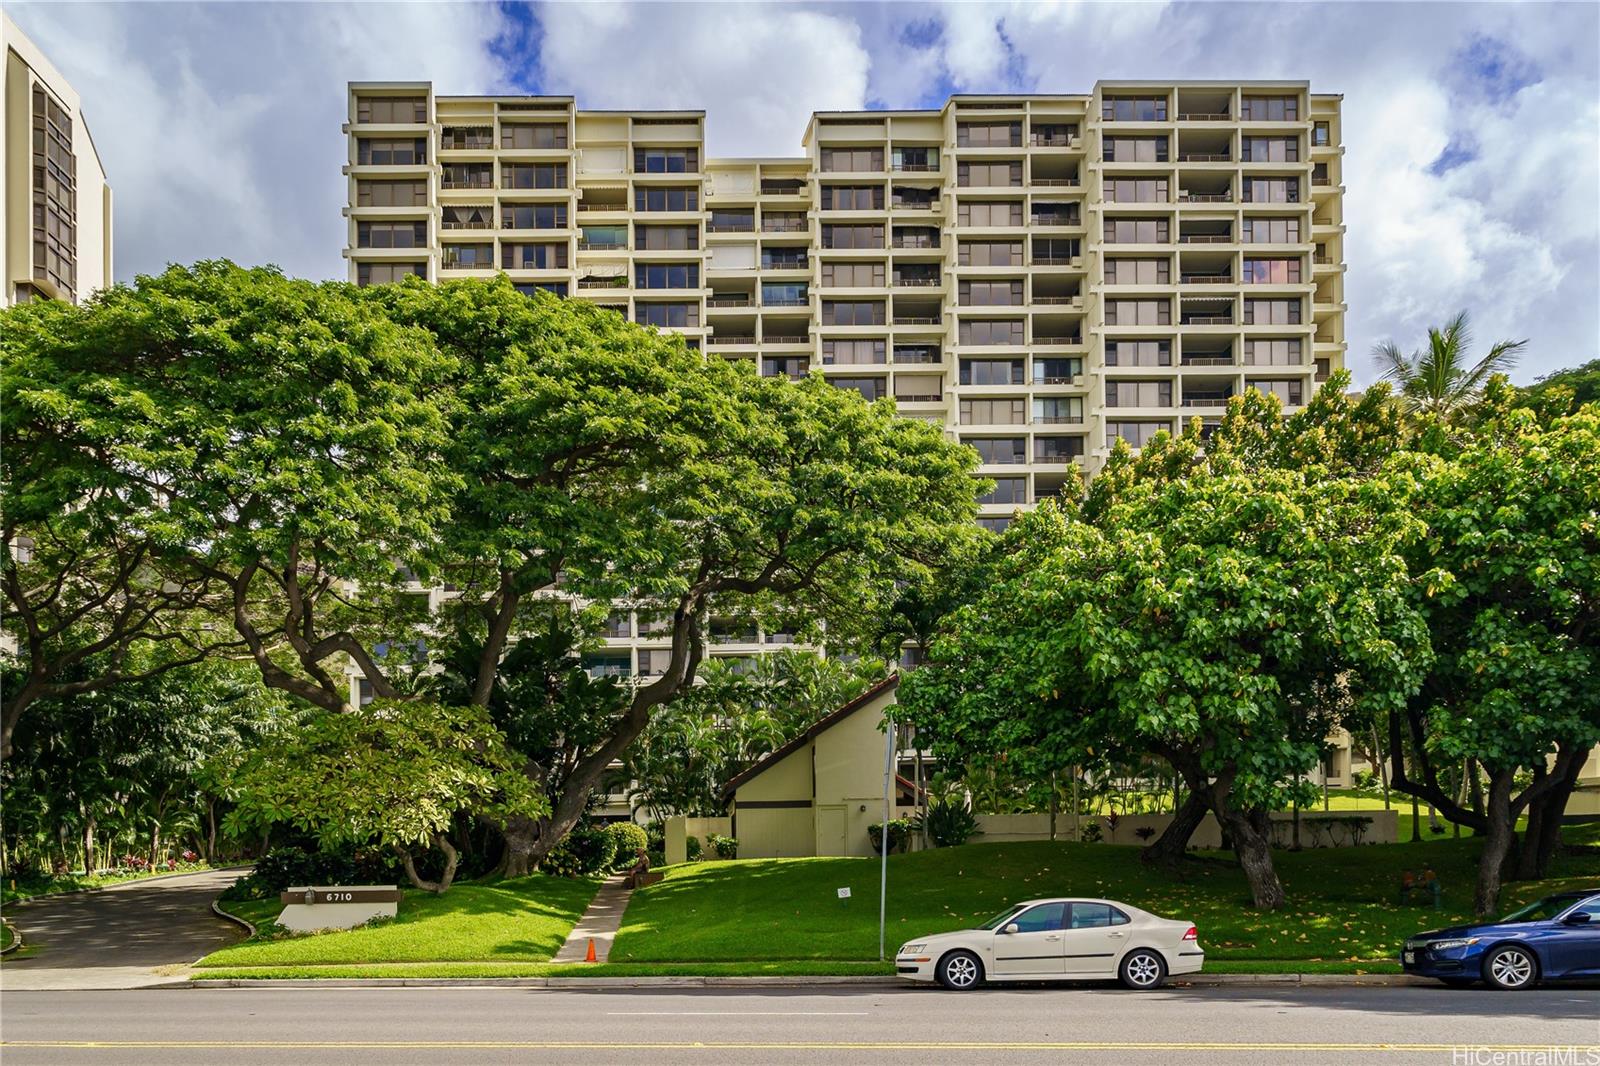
pixel 1192 934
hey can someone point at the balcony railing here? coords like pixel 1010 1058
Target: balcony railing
pixel 915 168
pixel 1057 260
pixel 914 205
pixel 1057 301
pixel 1322 260
pixel 1205 198
pixel 915 242
pixel 1203 157
pixel 1321 181
pixel 729 301
pixel 1058 183
pixel 916 320
pixel 919 397
pixel 468 183
pixel 1057 420
pixel 1208 360
pixel 602 246
pixel 785 264
pixel 1052 140
pixel 717 340
pixel 1058 379
pixel 1202 116
pixel 904 280
pixel 1055 220
pixel 1206 320
pixel 1205 238
pixel 728 227
pixel 603 283
pixel 1217 400
pixel 912 356
pixel 786 301
pixel 783 225
pixel 1206 279
pixel 1058 338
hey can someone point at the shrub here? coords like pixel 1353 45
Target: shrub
pixel 1091 833
pixel 284 867
pixel 691 849
pixel 626 841
pixel 586 850
pixel 949 821
pixel 657 858
pixel 725 847
pixel 1145 832
pixel 899 833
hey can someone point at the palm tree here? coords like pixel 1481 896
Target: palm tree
pixel 1437 380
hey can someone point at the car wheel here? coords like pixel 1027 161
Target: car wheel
pixel 1143 970
pixel 1511 968
pixel 960 971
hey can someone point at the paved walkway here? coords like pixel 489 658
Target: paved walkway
pixel 130 935
pixel 599 923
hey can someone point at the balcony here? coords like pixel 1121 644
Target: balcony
pixel 1206 319
pixel 1204 157
pixel 1058 301
pixel 783 225
pixel 1209 359
pixel 915 168
pixel 917 320
pixel 786 301
pixel 603 283
pixel 1205 238
pixel 1057 219
pixel 1205 197
pixel 1053 140
pixel 601 246
pixel 914 205
pixel 722 340
pixel 916 242
pixel 904 356
pixel 730 301
pixel 1202 116
pixel 915 280
pixel 1057 338
pixel 1207 399
pixel 727 227
pixel 1057 183
pixel 1205 279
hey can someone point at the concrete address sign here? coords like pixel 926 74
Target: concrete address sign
pixel 312 907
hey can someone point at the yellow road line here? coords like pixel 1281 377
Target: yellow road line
pixel 810 1045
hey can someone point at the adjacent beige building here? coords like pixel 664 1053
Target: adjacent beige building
pixel 1038 275
pixel 56 226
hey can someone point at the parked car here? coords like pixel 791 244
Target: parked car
pixel 1557 938
pixel 1057 940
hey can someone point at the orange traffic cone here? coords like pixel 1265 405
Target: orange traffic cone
pixel 590 957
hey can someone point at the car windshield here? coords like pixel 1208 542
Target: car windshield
pixel 1000 919
pixel 1543 910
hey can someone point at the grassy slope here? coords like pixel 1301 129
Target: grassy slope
pixel 1341 905
pixel 525 919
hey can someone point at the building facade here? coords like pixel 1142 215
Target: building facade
pixel 55 229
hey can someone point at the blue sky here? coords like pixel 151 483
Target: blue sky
pixel 1472 130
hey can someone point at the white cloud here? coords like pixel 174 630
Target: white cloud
pixel 219 123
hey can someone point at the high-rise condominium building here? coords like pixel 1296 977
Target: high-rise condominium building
pixel 55 230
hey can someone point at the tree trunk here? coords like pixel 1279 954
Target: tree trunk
pixel 1169 848
pixel 1252 846
pixel 1498 840
pixel 88 848
pixel 1383 766
pixel 439 887
pixel 155 843
pixel 521 834
pixel 1474 786
pixel 211 830
pixel 1543 836
pixel 1416 820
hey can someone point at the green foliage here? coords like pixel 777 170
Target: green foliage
pixel 392 774
pixel 588 849
pixel 1438 381
pixel 899 833
pixel 627 839
pixel 725 847
pixel 691 849
pixel 949 821
pixel 1564 391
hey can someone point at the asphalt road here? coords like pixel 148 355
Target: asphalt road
pixel 434 1026
pixel 118 937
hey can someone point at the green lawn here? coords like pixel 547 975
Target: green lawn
pixel 1350 800
pixel 29 887
pixel 526 919
pixel 1341 907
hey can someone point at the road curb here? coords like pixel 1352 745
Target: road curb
pixel 227 916
pixel 1237 980
pixel 16 937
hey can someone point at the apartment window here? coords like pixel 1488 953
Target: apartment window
pixel 407 109
pixel 852 352
pixel 991 371
pixel 1137 231
pixel 990 253
pixel 991 293
pixel 1138 394
pixel 1319 173
pixel 1272 312
pixel 852 197
pixel 993 524
pixel 852 236
pixel 869 388
pixel 555 288
pixel 533 216
pixel 852 275
pixel 1137 434
pixel 916 353
pixel 1135 149
pixel 391 193
pixel 384 273
pixel 1271 190
pixel 1323 368
pixel 1056 449
pixel 470 137
pixel 783 222
pixel 533 256
pixel 391 234
pixel 1273 351
pixel 1136 190
pixel 783 259
pixel 1133 109
pixel 846 160
pixel 667 316
pixel 1270 231
pixel 666 160
pixel 608 664
pixel 999 451
pixel 1270 150
pixel 604 237
pixel 852 313
pixel 530 135
pixel 1048 214
pixel 666 198
pixel 1052 135
pixel 1321 135
pixel 991 331
pixel 784 294
pixel 1055 250
pixel 1138 271
pixel 391 151
pixel 725 220
pixel 653 662
pixel 1004 173
pixel 666 238
pixel 1289 393
pixel 468 256
pixel 1056 371
pixel 989 135
pixel 1058 410
pixel 793 367
pixel 666 275
pixel 533 175
pixel 1007 490
pixel 982 213
pixel 915 159
pixel 1271 272
pixel 479 216
pixel 916 237
pixel 1139 353
pixel 1138 312
pixel 467 176
pixel 1002 412
pixel 1270 109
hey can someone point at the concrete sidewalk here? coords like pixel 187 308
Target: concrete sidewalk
pixel 599 923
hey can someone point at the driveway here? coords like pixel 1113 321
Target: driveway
pixel 118 937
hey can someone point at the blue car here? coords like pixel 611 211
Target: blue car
pixel 1557 938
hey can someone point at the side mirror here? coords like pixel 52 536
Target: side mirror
pixel 1578 918
pixel 1011 927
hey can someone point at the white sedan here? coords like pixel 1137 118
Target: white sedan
pixel 1057 940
